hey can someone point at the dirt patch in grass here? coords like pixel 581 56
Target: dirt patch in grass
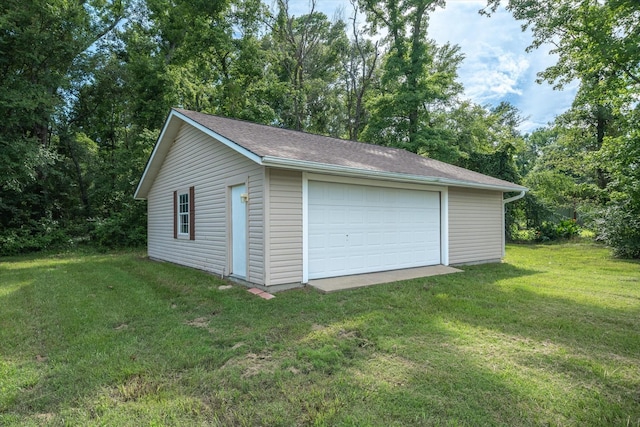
pixel 252 364
pixel 199 322
pixel 135 388
pixel 46 417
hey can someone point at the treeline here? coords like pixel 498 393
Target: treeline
pixel 85 87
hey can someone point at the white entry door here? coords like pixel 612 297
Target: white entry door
pixel 356 229
pixel 239 231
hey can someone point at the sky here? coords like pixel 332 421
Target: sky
pixel 496 66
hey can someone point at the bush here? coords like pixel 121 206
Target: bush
pixel 126 228
pixel 565 229
pixel 33 237
pixel 524 217
pixel 619 227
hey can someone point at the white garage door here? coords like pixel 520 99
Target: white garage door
pixel 357 229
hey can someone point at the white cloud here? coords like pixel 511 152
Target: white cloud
pixel 496 66
pixel 489 73
pixel 328 7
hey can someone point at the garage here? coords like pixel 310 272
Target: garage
pixel 355 229
pixel 310 206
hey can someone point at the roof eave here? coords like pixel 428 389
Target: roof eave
pixel 170 128
pixel 308 166
pixel 160 149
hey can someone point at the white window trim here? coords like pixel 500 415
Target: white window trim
pixel 181 234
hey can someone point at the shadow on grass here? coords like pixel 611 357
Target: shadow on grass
pixel 118 334
pixel 470 349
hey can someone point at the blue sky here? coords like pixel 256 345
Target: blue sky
pixel 496 66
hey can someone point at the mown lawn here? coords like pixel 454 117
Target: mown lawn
pixel 551 336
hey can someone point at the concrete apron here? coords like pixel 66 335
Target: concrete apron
pixel 333 284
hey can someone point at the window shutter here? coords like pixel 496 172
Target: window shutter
pixel 192 214
pixel 175 214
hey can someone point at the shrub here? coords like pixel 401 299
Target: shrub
pixel 619 227
pixel 126 228
pixel 524 215
pixel 34 236
pixel 565 229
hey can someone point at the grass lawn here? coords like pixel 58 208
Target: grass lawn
pixel 550 336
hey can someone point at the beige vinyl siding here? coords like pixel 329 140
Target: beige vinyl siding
pixel 196 159
pixel 255 271
pixel 285 227
pixel 475 225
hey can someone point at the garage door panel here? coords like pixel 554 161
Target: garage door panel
pixel 389 198
pixel 357 241
pixel 357 229
pixel 356 216
pixel 336 240
pixel 374 238
pixel 336 216
pixel 317 242
pixel 372 197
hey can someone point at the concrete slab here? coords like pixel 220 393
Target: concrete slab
pixel 333 284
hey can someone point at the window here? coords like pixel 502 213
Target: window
pixel 184 214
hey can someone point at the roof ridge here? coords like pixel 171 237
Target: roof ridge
pixel 335 138
pixel 289 145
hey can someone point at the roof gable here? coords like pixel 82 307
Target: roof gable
pixel 271 146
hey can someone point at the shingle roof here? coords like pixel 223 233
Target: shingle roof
pixel 272 142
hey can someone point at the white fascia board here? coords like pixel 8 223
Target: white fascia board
pixel 393 176
pixel 248 154
pixel 172 126
pixel 151 162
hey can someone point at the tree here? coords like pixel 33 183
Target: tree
pixel 45 47
pixel 307 56
pixel 418 77
pixel 360 66
pixel 619 224
pixel 588 36
pixel 598 44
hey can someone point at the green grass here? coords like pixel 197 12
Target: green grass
pixel 549 337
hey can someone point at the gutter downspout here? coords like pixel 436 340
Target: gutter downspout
pixel 504 204
pixel 514 198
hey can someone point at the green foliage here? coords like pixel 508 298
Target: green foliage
pixel 125 228
pixel 306 56
pixel 584 163
pixel 619 227
pixel 524 216
pixel 565 229
pixel 35 236
pixel 591 38
pixel 499 163
pixel 619 224
pixel 417 78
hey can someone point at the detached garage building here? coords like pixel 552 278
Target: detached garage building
pixel 277 208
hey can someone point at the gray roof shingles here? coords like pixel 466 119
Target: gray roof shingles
pixel 269 141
